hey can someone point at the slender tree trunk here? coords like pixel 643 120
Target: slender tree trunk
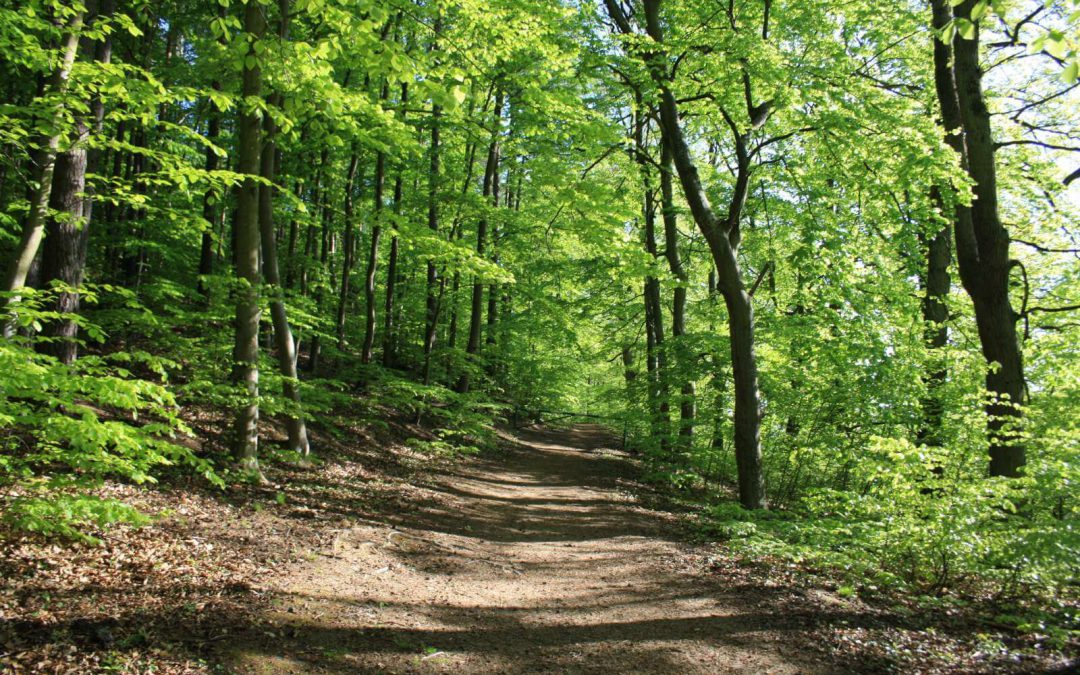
pixel 656 430
pixel 935 283
pixel 431 316
pixel 719 377
pixel 213 130
pixel 206 249
pixel 389 356
pixel 477 308
pixel 34 225
pixel 302 267
pixel 246 350
pixel 326 275
pixel 722 236
pixel 349 244
pixel 687 405
pixel 283 338
pixel 982 243
pixel 654 315
pixel 373 259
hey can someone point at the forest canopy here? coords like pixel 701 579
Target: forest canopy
pixel 817 262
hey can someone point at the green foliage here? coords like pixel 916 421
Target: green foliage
pixel 69 516
pixel 73 426
pixel 905 526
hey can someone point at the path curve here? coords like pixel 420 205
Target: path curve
pixel 539 560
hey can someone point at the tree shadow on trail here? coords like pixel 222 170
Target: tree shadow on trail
pixel 562 493
pixel 544 494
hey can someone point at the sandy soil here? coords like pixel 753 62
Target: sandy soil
pixel 536 561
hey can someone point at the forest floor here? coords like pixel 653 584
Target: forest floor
pixel 546 556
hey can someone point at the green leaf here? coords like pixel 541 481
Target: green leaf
pixel 1069 75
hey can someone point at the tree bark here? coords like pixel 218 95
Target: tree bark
pixel 373 259
pixel 283 337
pixel 248 312
pixel 349 244
pixel 64 254
pixel 389 338
pixel 213 130
pixel 687 393
pixel 477 308
pixel 722 237
pixel 982 242
pixel 935 313
pixel 431 315
pixel 34 225
pixel 659 395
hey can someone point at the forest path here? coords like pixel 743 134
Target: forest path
pixel 536 560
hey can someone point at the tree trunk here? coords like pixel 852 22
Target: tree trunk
pixel 389 338
pixel 283 338
pixel 654 314
pixel 722 236
pixel 34 225
pixel 302 266
pixel 687 406
pixel 431 315
pixel 213 130
pixel 64 255
pixel 490 183
pixel 982 243
pixel 325 272
pixel 935 282
pixel 349 244
pixel 373 259
pixel 206 250
pixel 246 350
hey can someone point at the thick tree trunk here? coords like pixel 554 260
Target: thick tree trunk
pixel 34 225
pixel 477 307
pixel 246 349
pixel 982 243
pixel 64 254
pixel 67 237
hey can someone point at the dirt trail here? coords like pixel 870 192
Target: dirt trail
pixel 536 561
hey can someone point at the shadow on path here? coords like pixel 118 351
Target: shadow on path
pixel 538 560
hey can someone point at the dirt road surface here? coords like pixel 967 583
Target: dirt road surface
pixel 539 560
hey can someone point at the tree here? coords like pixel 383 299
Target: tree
pixel 723 236
pixel 248 309
pixel 34 227
pixel 982 243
